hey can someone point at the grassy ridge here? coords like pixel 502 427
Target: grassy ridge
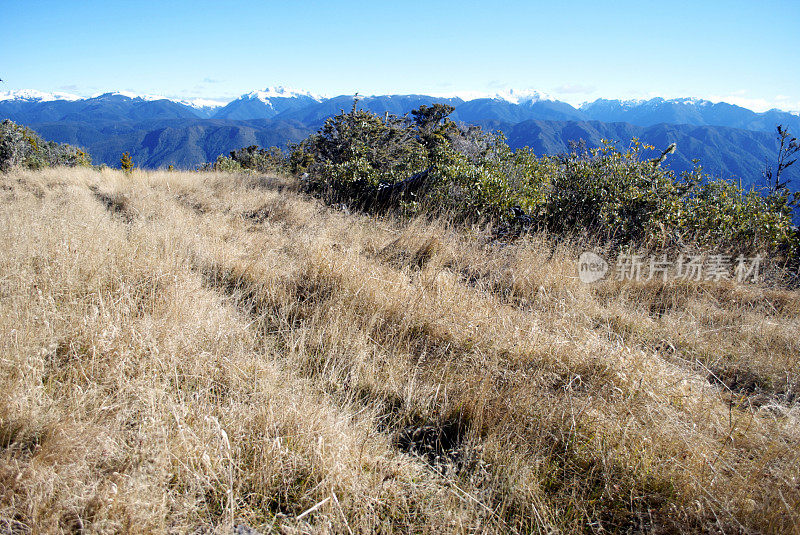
pixel 201 350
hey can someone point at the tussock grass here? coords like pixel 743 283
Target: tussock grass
pixel 189 351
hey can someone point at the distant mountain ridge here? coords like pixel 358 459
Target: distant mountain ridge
pixel 687 111
pixel 729 140
pixel 31 106
pixel 108 107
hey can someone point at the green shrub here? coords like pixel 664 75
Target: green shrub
pixel 223 164
pixel 260 160
pixel 617 195
pixel 719 211
pixel 470 173
pixel 489 179
pixel 357 151
pixel 252 158
pixel 22 147
pixel 126 162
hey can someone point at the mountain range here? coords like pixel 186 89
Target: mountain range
pixel 728 140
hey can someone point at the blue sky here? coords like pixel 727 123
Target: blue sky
pixel 738 51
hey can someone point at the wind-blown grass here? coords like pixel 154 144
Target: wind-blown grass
pixel 185 351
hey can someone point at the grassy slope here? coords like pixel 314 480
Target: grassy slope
pixel 183 350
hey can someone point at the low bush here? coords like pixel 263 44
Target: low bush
pixel 252 158
pixel 355 152
pixel 22 147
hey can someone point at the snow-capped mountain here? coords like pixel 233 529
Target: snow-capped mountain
pixel 315 114
pixel 280 91
pixel 513 96
pixel 197 107
pixel 267 103
pixel 202 103
pixel 514 106
pixel 32 95
pixel 30 106
pixel 692 111
pixel 204 107
pixel 128 95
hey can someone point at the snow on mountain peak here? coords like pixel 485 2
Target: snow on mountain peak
pixel 130 95
pixel 522 96
pixel 693 101
pixel 514 96
pixel 32 95
pixel 628 104
pixel 279 92
pixel 202 103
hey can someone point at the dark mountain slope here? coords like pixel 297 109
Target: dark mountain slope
pixel 495 109
pixel 182 143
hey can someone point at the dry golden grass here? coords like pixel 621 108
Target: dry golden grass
pixel 186 352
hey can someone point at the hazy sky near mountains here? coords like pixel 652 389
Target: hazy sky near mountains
pixel 745 52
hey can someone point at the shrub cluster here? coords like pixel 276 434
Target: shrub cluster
pixel 355 152
pixel 625 198
pixel 252 158
pixel 615 194
pixel 22 147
